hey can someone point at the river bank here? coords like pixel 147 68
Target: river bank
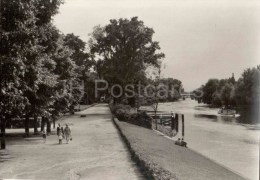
pixel 166 160
pixel 222 139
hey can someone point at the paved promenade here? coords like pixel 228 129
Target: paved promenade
pixel 95 153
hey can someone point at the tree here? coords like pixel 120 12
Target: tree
pixel 227 94
pixel 17 25
pixel 174 87
pixel 156 94
pixel 123 50
pixel 83 62
pixel 65 70
pixel 208 90
pixel 26 51
pixel 247 87
pixel 39 78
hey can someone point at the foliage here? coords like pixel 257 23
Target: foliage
pixel 208 90
pixel 17 43
pixel 248 86
pixel 141 119
pixel 123 50
pixel 123 113
pixel 174 87
pixel 228 92
pixel 38 63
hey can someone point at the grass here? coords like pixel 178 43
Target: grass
pixel 159 158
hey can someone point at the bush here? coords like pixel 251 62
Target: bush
pixel 141 119
pixel 115 108
pixel 122 112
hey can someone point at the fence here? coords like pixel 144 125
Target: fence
pixel 168 123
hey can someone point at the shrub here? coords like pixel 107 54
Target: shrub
pixel 116 107
pixel 123 113
pixel 141 119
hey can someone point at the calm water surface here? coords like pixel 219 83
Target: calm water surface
pixel 222 139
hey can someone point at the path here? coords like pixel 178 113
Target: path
pixel 95 153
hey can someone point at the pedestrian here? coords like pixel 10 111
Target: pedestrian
pixel 183 143
pixel 44 134
pixel 67 133
pixel 59 128
pixel 60 136
pixel 178 142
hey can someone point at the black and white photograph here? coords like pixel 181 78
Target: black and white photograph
pixel 129 89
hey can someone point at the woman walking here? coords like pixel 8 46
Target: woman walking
pixel 67 133
pixel 44 134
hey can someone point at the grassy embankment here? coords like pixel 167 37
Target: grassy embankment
pixel 159 158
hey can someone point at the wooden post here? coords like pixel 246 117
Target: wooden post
pixel 172 122
pixel 177 122
pixel 182 125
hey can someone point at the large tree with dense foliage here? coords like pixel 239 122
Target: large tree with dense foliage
pixel 83 63
pixel 174 88
pixel 247 87
pixel 17 43
pixel 28 46
pixel 123 50
pixel 39 78
pixel 208 90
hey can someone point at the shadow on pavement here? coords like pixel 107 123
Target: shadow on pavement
pixel 4 157
pixel 96 114
pixel 54 144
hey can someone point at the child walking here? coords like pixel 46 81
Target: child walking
pixel 60 137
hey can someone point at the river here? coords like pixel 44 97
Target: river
pixel 221 139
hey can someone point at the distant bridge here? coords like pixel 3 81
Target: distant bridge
pixel 186 95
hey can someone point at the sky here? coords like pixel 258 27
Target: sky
pixel 201 39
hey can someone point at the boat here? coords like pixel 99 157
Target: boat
pixel 228 112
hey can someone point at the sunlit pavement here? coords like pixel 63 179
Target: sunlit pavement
pixel 96 152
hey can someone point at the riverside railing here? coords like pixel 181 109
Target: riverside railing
pixel 169 123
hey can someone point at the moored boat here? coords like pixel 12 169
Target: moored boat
pixel 228 112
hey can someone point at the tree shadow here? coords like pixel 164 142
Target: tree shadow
pixel 55 144
pixel 94 114
pixel 4 157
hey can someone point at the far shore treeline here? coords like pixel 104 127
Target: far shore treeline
pixel 39 65
pixel 242 94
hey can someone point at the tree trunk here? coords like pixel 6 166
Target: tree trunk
pixel 26 125
pixel 72 110
pixel 54 121
pixel 43 123
pixel 48 125
pixel 3 126
pixel 2 135
pixel 35 124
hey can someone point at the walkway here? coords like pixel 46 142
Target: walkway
pixel 95 153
